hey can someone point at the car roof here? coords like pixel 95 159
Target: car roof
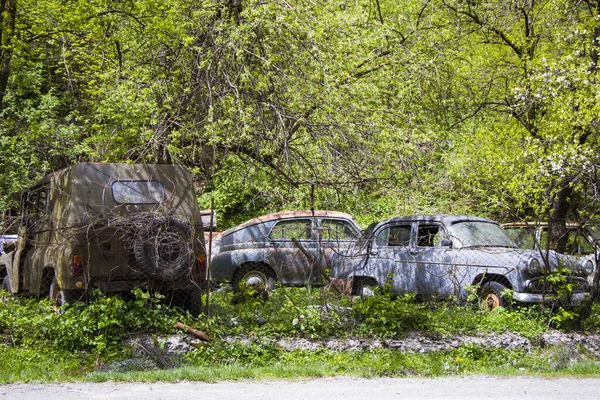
pixel 112 171
pixel 445 219
pixel 289 215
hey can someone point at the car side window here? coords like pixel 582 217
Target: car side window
pixel 429 235
pixel 286 230
pixel 397 235
pixel 335 229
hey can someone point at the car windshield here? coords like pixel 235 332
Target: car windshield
pixel 479 233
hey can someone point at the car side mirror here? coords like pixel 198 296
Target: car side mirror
pixel 446 243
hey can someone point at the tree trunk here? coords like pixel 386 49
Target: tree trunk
pixel 8 16
pixel 557 225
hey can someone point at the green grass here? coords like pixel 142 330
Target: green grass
pixel 85 343
pixel 380 363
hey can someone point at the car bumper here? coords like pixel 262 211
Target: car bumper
pixel 574 300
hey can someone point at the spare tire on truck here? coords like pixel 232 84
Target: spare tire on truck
pixel 163 249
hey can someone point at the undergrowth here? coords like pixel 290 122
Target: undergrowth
pixel 42 345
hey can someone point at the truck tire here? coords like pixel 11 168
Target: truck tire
pixel 163 250
pixel 7 288
pixel 193 302
pixel 60 297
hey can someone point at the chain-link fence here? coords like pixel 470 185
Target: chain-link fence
pixel 63 246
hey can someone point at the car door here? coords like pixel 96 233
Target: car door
pixel 335 235
pixel 389 258
pixel 286 258
pixel 436 273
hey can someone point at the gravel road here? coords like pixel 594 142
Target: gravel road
pixel 473 387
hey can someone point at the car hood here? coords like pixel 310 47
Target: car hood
pixel 508 256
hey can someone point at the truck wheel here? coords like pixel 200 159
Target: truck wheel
pixel 163 250
pixel 491 296
pixel 56 296
pixel 193 302
pixel 6 287
pixel 6 284
pixel 256 275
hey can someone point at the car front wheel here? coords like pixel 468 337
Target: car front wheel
pixel 491 296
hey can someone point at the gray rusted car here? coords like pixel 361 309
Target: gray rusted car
pixel 441 255
pixel 582 241
pixel 108 226
pixel 288 247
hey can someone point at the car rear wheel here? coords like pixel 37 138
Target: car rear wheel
pixel 491 296
pixel 255 275
pixel 364 287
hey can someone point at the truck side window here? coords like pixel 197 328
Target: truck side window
pixel 36 202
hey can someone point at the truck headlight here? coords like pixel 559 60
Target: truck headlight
pixel 533 266
pixel 588 267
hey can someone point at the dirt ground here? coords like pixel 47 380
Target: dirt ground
pixel 473 387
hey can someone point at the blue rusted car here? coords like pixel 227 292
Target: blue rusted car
pixel 291 247
pixel 443 255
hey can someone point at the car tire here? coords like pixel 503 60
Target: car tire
pixel 491 296
pixel 257 275
pixel 163 249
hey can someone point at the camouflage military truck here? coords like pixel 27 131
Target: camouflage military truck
pixel 108 226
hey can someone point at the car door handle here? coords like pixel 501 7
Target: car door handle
pixel 414 252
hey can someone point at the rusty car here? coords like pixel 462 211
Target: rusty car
pixel 446 256
pixel 112 227
pixel 582 239
pixel 292 248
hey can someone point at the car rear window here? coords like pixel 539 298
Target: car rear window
pixel 333 229
pixel 138 192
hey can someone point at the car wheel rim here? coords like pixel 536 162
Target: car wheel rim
pixel 258 279
pixel 491 301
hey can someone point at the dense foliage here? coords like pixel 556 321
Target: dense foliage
pixel 374 107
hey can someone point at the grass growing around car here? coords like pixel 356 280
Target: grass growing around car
pixel 92 342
